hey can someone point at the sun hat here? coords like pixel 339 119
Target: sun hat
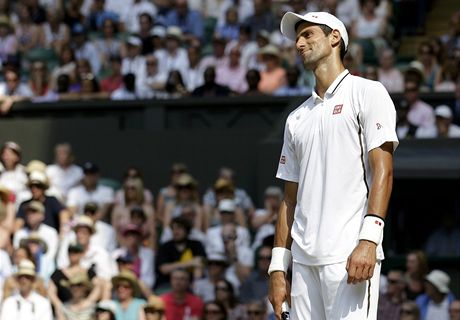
pixel 130 277
pixel 26 268
pixel 443 111
pixel 34 237
pixel 84 221
pixel 439 279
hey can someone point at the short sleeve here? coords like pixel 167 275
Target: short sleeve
pixel 378 117
pixel 288 166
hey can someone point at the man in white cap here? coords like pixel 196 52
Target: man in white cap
pixel 443 126
pixel 337 164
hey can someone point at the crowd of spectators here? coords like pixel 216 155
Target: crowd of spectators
pixel 98 49
pixel 73 247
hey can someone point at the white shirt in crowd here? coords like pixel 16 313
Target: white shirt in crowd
pixel 79 196
pixel 432 132
pixel 14 180
pixel 438 311
pixel 135 66
pixel 147 257
pixel 34 307
pixel 169 62
pixel 130 17
pixel 64 178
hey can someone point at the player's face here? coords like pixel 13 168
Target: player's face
pixel 312 44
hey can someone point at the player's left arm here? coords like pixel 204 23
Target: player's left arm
pixel 361 263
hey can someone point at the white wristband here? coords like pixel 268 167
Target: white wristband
pixel 372 229
pixel 281 259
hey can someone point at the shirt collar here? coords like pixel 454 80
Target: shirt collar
pixel 332 88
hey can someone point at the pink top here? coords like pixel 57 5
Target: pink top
pixel 421 114
pixel 192 307
pixel 234 78
pixel 272 81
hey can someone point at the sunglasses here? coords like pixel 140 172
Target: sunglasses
pixel 265 257
pixel 393 281
pixel 221 288
pixel 406 311
pixel 254 312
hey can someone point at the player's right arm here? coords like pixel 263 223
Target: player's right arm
pixel 279 287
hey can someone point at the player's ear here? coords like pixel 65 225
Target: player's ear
pixel 335 38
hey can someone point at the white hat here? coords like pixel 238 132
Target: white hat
pixel 439 279
pixel 134 41
pixel 38 177
pixel 290 19
pixel 227 205
pixel 174 32
pixel 443 111
pixel 26 267
pixel 107 305
pixel 158 31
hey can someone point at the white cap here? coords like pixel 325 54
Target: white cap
pixel 439 279
pixel 290 19
pixel 443 111
pixel 134 41
pixel 107 305
pixel 227 205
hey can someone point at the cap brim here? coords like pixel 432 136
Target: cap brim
pixel 290 19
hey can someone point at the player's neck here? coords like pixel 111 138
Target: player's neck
pixel 325 74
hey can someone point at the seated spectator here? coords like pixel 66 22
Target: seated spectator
pixel 445 240
pixel 256 60
pixel 133 62
pixel 90 88
pixel 217 263
pixel 214 310
pixel 429 65
pixel 12 90
pixel 104 234
pixel 194 71
pixel 106 310
pixel 247 47
pixel 115 80
pixel 390 303
pixel 98 13
pixel 73 13
pixel 67 66
pixel 93 254
pixel 416 270
pixel 442 128
pixel 409 311
pixel 26 304
pixel 255 287
pixel 256 310
pixel 368 24
pixel 168 193
pixel 64 174
pixel 261 19
pixel 39 80
pixel 130 18
pixel 391 78
pixel 188 213
pixel 90 191
pixel 155 308
pixel 108 45
pixel 370 73
pixel 210 88
pixel 179 302
pixel 28 34
pixel 145 33
pixel 37 11
pixel 420 114
pixel 153 85
pixel 174 57
pixel 435 303
pixel 454 310
pixel 175 86
pixel 448 74
pixel 245 9
pixel 85 49
pixel 274 76
pixel 217 58
pixel 230 30
pixel 225 295
pixel 292 88
pixel 127 91
pixel 253 80
pixel 127 292
pixel 451 39
pixel 188 20
pixel 180 252
pixel 133 172
pixel 233 74
pixel 9 47
pixel 13 176
pixel 55 32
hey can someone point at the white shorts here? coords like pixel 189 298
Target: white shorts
pixel 322 293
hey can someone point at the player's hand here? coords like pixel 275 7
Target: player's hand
pixel 361 262
pixel 278 292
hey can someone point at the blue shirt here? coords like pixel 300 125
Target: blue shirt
pixel 192 23
pixel 132 312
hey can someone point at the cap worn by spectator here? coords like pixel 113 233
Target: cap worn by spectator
pixel 443 111
pixel 13 146
pixel 227 205
pixel 35 165
pixel 90 168
pixel 439 279
pixel 35 206
pixel 273 192
pixel 38 178
pixel 34 237
pixel 218 258
pixel 158 31
pixel 134 41
pixel 291 19
pixel 174 32
pixel 264 34
pixel 107 305
pixel 26 268
pixel 84 222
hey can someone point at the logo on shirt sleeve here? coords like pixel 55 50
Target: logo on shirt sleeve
pixel 337 109
pixel 379 126
pixel 283 160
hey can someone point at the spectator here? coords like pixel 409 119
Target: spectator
pixel 56 34
pixel 264 220
pixel 210 88
pixel 93 254
pixel 391 78
pixel 158 36
pixel 26 304
pixel 9 47
pixel 416 270
pixel 255 287
pixel 262 40
pixel 371 73
pixel 105 310
pixel 404 129
pixel 245 10
pixel 127 91
pixel 253 80
pixel 130 18
pixel 420 114
pixel 214 310
pixel 451 40
pixel 127 289
pixel 133 62
pixel 37 12
pixel 155 309
pixel 168 193
pixel 390 302
pixel 13 175
pixel 153 84
pixel 454 310
pixel 188 213
pixel 442 128
pixel 39 81
pixel 64 174
pixel 429 65
pixel 108 45
pixel 133 172
pixel 28 34
pixel 409 311
pixel 115 80
pixel 73 15
pixel 435 303
pixel 448 73
pixel 218 58
pixel 145 33
pixel 445 240
pixel 189 21
pixel 174 57
pixel 368 24
pixel 217 263
pixel 12 90
pixel 67 66
pixel 230 30
pixel 292 88
pixel 273 76
pixel 256 310
pixel 194 72
pixel 175 87
pixel 56 215
pixel 233 74
pixel 90 191
pixel 180 252
pixel 247 47
pixel 85 49
pixel 262 19
pixel 98 14
pixel 104 234
pixel 225 295
pixel 179 303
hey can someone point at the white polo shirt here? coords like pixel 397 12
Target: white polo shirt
pixel 326 145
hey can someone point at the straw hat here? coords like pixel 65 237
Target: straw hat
pixel 35 165
pixel 81 278
pixel 36 206
pixel 185 180
pixel 38 178
pixel 35 238
pixel 26 268
pixel 154 303
pixel 84 221
pixel 130 277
